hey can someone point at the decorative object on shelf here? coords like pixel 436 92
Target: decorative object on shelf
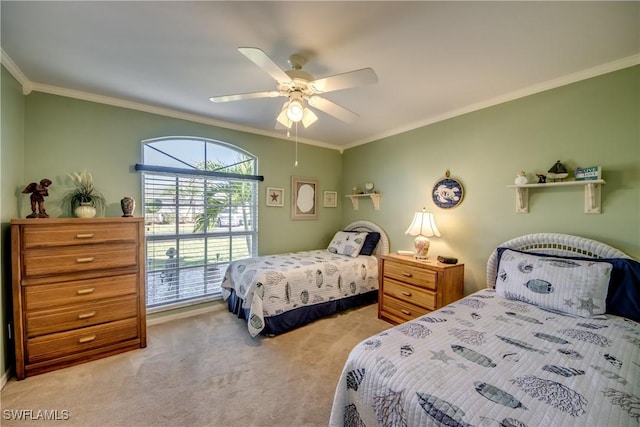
pixel 38 192
pixel 521 178
pixel 448 192
pixel 592 173
pixel 557 172
pixel 422 226
pixel 304 198
pixel 541 178
pixel 83 195
pixel 369 187
pixel 330 199
pixel 355 190
pixel 275 197
pixel 128 205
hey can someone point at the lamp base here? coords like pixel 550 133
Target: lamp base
pixel 422 247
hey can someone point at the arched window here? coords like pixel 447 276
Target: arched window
pixel 200 207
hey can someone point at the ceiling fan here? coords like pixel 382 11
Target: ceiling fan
pixel 299 86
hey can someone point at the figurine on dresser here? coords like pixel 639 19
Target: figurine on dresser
pixel 38 192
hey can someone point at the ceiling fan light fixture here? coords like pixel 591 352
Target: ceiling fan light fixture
pixel 295 109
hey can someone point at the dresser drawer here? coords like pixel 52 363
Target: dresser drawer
pixel 401 309
pixel 43 322
pixel 410 294
pixel 55 295
pixel 78 234
pixel 411 274
pixel 72 259
pixel 51 346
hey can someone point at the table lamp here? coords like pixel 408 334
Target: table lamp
pixel 423 227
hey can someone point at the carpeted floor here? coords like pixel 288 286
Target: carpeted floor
pixel 201 371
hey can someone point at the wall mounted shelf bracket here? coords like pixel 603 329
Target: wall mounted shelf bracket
pixel 375 198
pixel 592 194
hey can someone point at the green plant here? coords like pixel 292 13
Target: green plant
pixel 83 192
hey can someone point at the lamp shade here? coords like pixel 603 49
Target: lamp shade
pixel 308 116
pixel 423 224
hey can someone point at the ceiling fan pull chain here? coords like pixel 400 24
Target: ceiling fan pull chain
pixel 296 163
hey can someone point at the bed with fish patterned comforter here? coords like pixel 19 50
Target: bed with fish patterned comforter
pixel 276 284
pixel 489 361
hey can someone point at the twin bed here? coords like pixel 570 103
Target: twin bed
pixel 553 341
pixel 278 293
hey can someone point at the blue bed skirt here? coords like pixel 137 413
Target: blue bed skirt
pixel 300 316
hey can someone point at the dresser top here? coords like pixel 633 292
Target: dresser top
pixel 69 221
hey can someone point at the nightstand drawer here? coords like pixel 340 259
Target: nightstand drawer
pixel 411 274
pixel 65 343
pixel 78 234
pixel 400 309
pixel 403 292
pixel 44 322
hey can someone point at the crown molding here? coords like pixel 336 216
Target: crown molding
pixel 11 66
pixel 599 70
pixel 29 86
pixel 167 112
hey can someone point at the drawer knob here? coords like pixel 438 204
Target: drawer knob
pixel 406 294
pixel 86 339
pixel 407 312
pixel 86 315
pixel 405 274
pixel 84 235
pixel 85 291
pixel 84 260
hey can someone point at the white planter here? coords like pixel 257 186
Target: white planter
pixel 85 211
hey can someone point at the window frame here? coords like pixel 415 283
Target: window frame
pixel 206 234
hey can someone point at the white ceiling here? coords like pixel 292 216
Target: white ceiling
pixel 434 60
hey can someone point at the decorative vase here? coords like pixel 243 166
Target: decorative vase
pixel 85 210
pixel 128 205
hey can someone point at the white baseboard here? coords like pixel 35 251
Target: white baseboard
pixel 184 314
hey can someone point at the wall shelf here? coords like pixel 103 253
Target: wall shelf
pixel 592 189
pixel 375 198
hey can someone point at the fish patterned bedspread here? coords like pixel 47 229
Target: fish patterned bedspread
pixel 489 361
pixel 271 285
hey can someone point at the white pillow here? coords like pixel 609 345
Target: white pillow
pixel 570 286
pixel 347 243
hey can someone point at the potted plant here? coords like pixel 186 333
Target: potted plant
pixel 83 199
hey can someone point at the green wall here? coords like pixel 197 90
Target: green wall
pixel 11 137
pixel 592 122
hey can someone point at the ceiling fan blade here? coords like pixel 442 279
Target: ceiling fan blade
pixel 361 77
pixel 258 57
pixel 333 109
pixel 241 96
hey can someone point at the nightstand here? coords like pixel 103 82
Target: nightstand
pixel 410 288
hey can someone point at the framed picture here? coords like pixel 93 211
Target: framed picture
pixel 447 193
pixel 304 198
pixel 330 199
pixel 275 196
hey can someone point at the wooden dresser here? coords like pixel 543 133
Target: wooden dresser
pixel 78 290
pixel 410 288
